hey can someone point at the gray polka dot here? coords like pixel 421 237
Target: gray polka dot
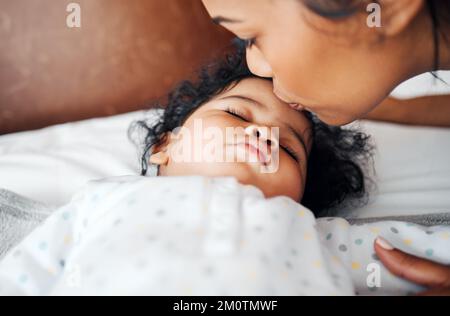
pixel 329 236
pixel 429 232
pixel 170 246
pixel 101 282
pixel 264 258
pixel 288 265
pixel 117 222
pixel 343 248
pixel 209 271
pixel 259 229
pixel 294 252
pixel 375 257
pixel 429 252
pixel 23 279
pixel 394 230
pixel 141 264
pixel 88 271
pixel 160 212
pixel 304 283
pixel 151 238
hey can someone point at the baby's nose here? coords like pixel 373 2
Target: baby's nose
pixel 262 133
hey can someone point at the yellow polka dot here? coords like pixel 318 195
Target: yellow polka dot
pixel 407 241
pixel 301 213
pixel 51 271
pixel 335 260
pixel 199 231
pixel 307 236
pixel 251 274
pixel 356 265
pixel 317 264
pixel 445 236
pixel 284 274
pixel 67 240
pixel 375 230
pixel 187 291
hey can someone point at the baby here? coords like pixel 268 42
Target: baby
pixel 223 216
pixel 318 165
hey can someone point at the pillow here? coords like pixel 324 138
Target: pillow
pixel 412 171
pixel 422 85
pixel 49 165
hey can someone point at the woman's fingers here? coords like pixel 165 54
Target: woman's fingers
pixel 414 269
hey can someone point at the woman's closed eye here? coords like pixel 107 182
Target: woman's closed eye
pixel 236 113
pixel 247 43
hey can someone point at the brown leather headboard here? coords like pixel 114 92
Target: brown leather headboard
pixel 126 54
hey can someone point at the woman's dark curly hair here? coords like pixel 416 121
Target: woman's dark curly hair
pixel 338 155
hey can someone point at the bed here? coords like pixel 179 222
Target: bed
pixel 50 165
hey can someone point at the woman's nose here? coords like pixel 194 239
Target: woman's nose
pixel 263 134
pixel 257 63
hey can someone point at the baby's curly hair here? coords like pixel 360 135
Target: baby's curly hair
pixel 337 158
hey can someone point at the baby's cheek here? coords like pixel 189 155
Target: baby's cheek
pixel 280 184
pixel 290 179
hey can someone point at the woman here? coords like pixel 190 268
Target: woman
pixel 326 58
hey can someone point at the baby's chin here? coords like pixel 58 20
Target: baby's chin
pixel 245 173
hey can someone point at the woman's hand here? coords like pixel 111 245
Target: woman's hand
pixel 434 276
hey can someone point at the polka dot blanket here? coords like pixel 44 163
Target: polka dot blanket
pixel 203 236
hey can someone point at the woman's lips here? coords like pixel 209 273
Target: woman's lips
pixel 295 105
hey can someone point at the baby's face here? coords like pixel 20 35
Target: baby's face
pixel 275 162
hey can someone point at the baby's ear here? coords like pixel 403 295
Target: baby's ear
pixel 160 155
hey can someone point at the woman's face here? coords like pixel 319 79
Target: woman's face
pixel 338 69
pixel 250 111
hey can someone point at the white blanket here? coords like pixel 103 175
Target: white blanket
pixel 202 236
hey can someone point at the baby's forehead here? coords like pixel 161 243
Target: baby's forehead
pixel 261 92
pixel 254 86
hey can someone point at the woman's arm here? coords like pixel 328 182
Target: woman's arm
pixel 426 111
